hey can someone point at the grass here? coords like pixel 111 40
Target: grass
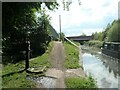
pixel 72 56
pixel 13 75
pixel 72 62
pixel 80 82
pixel 17 80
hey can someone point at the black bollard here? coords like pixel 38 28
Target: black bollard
pixel 27 55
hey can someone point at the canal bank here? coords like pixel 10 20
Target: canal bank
pixel 103 69
pixel 74 75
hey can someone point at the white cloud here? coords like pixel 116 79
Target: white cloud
pixel 91 13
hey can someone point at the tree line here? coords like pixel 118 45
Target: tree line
pixel 19 20
pixel 110 34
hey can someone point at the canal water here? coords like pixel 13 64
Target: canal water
pixel 102 68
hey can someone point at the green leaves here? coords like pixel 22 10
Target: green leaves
pixel 111 33
pixel 19 18
pixel 114 32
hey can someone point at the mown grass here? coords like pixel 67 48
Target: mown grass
pixel 14 76
pixel 72 56
pixel 80 82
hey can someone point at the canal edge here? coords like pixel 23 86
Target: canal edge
pixel 80 58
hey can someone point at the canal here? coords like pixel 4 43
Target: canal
pixel 102 68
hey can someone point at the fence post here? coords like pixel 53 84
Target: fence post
pixel 27 55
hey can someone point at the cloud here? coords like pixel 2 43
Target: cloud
pixel 90 16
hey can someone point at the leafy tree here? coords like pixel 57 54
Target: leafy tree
pixel 114 32
pixel 19 18
pixel 98 36
pixel 83 34
pixel 111 33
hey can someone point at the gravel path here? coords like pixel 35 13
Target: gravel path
pixel 57 58
pixel 58 71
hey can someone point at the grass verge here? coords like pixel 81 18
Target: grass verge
pixel 72 62
pixel 72 56
pixel 80 82
pixel 14 76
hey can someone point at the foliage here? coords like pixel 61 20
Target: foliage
pixel 19 18
pixel 94 43
pixel 62 36
pixel 98 36
pixel 114 32
pixel 67 3
pixel 110 34
pixel 83 34
pixel 42 60
pixel 80 82
pixel 72 56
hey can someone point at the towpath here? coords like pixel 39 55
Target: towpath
pixel 57 58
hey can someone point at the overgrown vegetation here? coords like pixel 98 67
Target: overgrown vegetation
pixel 72 56
pixel 94 43
pixel 110 34
pixel 14 76
pixel 80 82
pixel 19 18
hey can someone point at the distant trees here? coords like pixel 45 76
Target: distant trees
pixel 18 18
pixel 110 34
pixel 114 32
pixel 83 34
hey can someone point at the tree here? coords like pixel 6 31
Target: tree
pixel 83 34
pixel 114 32
pixel 19 18
pixel 67 3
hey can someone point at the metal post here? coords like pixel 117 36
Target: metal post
pixel 27 54
pixel 60 27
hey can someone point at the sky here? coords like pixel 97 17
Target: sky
pixel 89 17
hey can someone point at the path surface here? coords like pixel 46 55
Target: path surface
pixel 57 58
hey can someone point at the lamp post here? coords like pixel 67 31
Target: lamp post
pixel 27 51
